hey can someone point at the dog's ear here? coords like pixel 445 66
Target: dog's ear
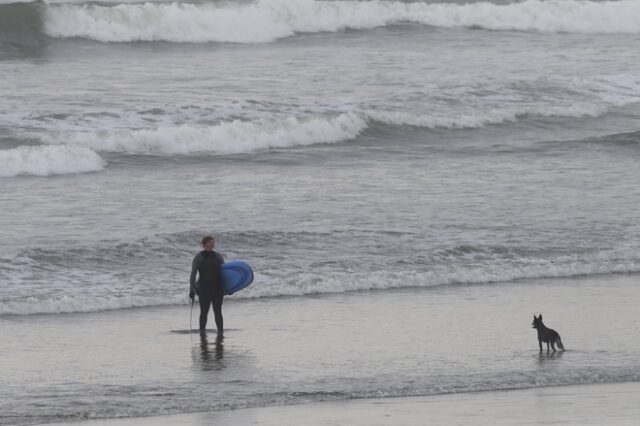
pixel 540 317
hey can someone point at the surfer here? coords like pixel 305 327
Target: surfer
pixel 209 287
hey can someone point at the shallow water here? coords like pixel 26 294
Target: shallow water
pixel 613 404
pixel 294 350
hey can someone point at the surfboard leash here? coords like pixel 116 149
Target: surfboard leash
pixel 191 316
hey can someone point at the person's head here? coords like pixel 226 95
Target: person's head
pixel 208 243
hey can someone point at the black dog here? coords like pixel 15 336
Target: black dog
pixel 546 335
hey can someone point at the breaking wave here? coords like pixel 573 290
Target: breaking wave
pixel 48 160
pixel 241 137
pixel 78 151
pixel 59 281
pixel 265 21
pixel 233 137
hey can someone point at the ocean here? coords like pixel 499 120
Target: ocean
pixel 371 156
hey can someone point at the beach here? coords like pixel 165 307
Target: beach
pixel 336 355
pixel 411 182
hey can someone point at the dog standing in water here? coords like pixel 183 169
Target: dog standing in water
pixel 547 335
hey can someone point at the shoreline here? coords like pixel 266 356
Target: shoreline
pixel 460 346
pixel 594 404
pixel 537 281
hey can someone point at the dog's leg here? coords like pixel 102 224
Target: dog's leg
pixel 553 346
pixel 540 344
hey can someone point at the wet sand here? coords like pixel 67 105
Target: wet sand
pixel 599 404
pixel 446 355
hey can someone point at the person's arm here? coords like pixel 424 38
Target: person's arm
pixel 194 272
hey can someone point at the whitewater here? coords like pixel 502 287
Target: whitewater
pixel 265 21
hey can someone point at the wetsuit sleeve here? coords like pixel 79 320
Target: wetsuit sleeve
pixel 194 271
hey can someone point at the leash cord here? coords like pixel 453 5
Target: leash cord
pixel 191 316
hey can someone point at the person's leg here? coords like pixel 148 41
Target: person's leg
pixel 205 302
pixel 217 311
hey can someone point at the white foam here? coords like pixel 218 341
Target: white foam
pixel 48 160
pixel 468 121
pixel 269 20
pixel 296 283
pixel 82 303
pixel 231 137
pixel 309 283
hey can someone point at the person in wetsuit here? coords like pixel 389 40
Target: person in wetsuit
pixel 210 288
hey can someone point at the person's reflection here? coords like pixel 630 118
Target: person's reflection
pixel 211 359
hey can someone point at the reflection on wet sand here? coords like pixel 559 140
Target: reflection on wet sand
pixel 211 353
pixel 549 356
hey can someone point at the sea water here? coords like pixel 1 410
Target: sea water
pixel 338 146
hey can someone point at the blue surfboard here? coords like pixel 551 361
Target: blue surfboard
pixel 237 275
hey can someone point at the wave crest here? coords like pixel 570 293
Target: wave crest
pixel 233 137
pixel 268 20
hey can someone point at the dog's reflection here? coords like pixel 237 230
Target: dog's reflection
pixel 549 356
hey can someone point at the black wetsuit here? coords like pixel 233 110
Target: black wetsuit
pixel 211 288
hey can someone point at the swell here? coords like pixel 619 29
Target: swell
pixel 627 140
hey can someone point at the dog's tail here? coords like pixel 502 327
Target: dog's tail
pixel 560 345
